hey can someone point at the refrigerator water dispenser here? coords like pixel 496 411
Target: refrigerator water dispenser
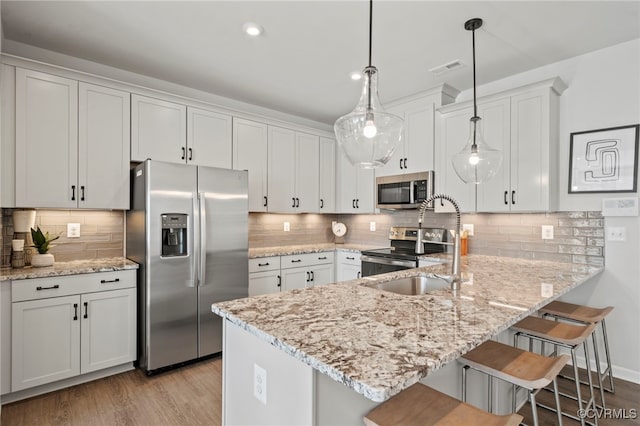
pixel 174 234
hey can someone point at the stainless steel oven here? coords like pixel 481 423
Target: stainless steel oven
pixel 401 255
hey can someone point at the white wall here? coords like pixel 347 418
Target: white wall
pixel 604 91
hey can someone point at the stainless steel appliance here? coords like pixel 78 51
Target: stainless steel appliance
pixel 402 255
pixel 404 191
pixel 188 230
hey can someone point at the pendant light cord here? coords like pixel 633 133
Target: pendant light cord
pixel 473 43
pixel 370 27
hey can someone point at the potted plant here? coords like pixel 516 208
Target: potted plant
pixel 42 243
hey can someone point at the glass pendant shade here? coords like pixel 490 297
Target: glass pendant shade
pixel 368 135
pixel 477 162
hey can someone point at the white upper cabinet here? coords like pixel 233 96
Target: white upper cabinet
pixel 293 172
pixel 158 130
pixel 355 189
pixel 46 140
pixel 209 138
pixel 250 153
pixel 72 143
pixel 103 150
pixel 327 175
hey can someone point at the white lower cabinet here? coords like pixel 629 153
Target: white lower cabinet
pixel 66 326
pixel 348 266
pixel 264 275
pixel 281 273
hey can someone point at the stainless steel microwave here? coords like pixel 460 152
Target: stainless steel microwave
pixel 406 191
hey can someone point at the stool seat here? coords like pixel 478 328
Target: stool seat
pixel 576 312
pixel 560 332
pixel 420 405
pixel 525 369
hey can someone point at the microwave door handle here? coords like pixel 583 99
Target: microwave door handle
pixel 203 239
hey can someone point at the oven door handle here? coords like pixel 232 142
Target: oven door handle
pixel 385 261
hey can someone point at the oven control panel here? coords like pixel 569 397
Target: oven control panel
pixel 411 234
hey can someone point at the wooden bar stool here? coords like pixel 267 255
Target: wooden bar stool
pixel 569 336
pixel 521 368
pixel 420 405
pixel 587 315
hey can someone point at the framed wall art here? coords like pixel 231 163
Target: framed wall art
pixel 604 160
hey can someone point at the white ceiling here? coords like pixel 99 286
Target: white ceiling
pixel 301 64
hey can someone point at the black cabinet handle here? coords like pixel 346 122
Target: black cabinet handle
pixel 117 280
pixel 359 273
pixel 353 203
pixel 279 281
pixel 297 202
pixel 505 197
pixel 47 288
pixel 513 197
pixel 308 276
pixel 263 264
pixel 322 258
pixel 401 164
pixel 75 312
pixel 183 153
pixel 296 261
pixel 86 310
pixel 405 163
pixel 293 202
pixel 190 154
pixel 73 192
pixel 351 258
pixel 321 203
pixel 82 193
pixel 357 203
pixel 265 201
pixel 313 277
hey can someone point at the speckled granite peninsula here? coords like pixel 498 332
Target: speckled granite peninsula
pixel 378 343
pixel 68 268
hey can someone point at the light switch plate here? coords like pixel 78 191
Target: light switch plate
pixel 372 226
pixel 616 233
pixel 260 383
pixel 287 227
pixel 547 232
pixel 469 228
pixel 73 230
pixel 546 290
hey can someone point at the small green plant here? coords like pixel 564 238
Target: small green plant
pixel 41 241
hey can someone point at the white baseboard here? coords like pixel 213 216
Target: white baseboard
pixel 618 372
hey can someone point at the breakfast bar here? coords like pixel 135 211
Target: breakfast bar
pixel 336 351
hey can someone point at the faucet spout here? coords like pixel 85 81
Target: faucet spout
pixel 455 265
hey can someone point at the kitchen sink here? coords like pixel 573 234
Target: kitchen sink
pixel 413 286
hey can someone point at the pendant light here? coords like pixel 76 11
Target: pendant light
pixel 477 162
pixel 368 135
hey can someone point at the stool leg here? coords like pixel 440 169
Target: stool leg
pixel 534 407
pixel 576 376
pixel 597 357
pixel 557 398
pixel 464 383
pixel 490 397
pixel 587 365
pixel 606 349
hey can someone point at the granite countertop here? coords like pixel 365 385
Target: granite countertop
pixel 306 248
pixel 68 268
pixel 379 343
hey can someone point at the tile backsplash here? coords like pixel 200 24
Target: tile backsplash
pixel 267 229
pixel 101 233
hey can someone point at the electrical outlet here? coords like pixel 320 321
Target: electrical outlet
pixel 469 228
pixel 260 383
pixel 73 230
pixel 616 233
pixel 546 290
pixel 372 226
pixel 287 227
pixel 547 232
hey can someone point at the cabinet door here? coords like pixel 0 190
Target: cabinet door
pixel 365 183
pixel 494 195
pixel 282 166
pixel 209 141
pixel 264 283
pixel 454 133
pixel 158 130
pixel 45 342
pixel 250 153
pixel 419 137
pixel 322 274
pixel 46 140
pixel 346 184
pixel 108 329
pixel 103 150
pixel 348 271
pixel 395 165
pixel 307 173
pixel 327 175
pixel 295 278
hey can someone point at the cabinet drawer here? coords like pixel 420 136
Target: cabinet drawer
pixel 349 258
pixel 262 264
pixel 42 288
pixel 306 259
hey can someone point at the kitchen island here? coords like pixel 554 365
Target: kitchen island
pixel 328 354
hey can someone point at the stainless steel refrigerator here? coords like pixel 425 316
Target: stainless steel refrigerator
pixel 188 230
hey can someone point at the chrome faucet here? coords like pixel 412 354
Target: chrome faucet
pixel 455 266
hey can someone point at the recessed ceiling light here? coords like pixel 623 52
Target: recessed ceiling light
pixel 252 29
pixel 355 75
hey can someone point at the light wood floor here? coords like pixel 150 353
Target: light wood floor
pixel 192 395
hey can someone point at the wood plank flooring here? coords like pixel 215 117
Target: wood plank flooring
pixel 192 395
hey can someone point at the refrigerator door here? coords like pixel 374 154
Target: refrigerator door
pixel 170 282
pixel 224 265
